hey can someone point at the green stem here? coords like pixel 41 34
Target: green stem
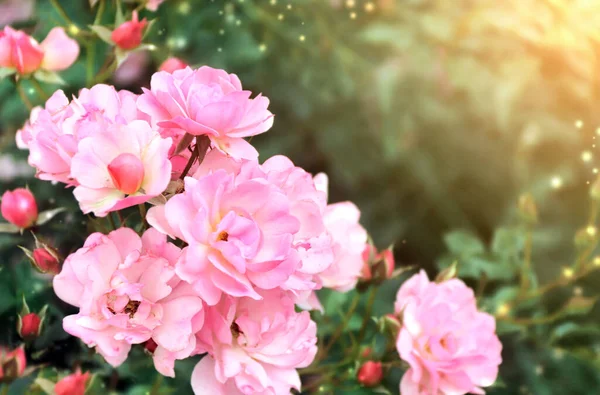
pixel 367 316
pixel 38 88
pixel 61 12
pixel 91 52
pixel 526 269
pixel 23 94
pixel 112 221
pixel 340 329
pixel 142 208
pixel 98 18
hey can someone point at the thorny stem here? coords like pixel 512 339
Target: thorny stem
pixel 23 95
pixel 61 12
pixel 89 75
pixel 38 88
pixel 367 316
pixel 340 329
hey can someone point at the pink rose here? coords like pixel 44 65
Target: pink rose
pixel 207 102
pixel 451 347
pixel 21 52
pixel 239 231
pixel 349 242
pixel 119 167
pixel 254 346
pixel 53 133
pixel 127 293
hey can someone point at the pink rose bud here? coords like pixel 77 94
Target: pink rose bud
pixel 150 346
pixel 73 384
pixel 19 51
pixel 19 208
pixel 366 273
pixel 370 374
pixel 127 173
pixel 29 326
pixel 172 64
pixel 129 34
pixel 387 258
pixel 12 364
pixel 46 260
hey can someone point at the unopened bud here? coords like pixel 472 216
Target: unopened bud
pixel 29 326
pixel 528 209
pixel 12 364
pixel 370 373
pixel 19 207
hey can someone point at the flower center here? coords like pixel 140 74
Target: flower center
pixel 127 173
pixel 223 236
pixel 235 330
pixel 131 308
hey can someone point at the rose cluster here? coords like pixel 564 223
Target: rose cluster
pixel 249 241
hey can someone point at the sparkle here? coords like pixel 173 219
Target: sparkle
pixel 556 182
pixel 350 3
pixel 184 8
pixel 222 31
pixel 591 230
pixel 152 47
pixel 577 291
pixel 74 30
pixel 273 2
pixel 353 15
pixel 568 272
pixel 220 49
pixel 238 22
pixel 503 310
pixel 221 12
pixel 280 17
pixel 579 124
pixel 595 170
pixel 539 370
pixel 597 261
pixel 302 38
pixel 586 156
pixel 289 7
pixel 369 7
pixel 598 131
pixel 262 47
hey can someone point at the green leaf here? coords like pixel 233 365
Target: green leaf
pixel 9 228
pixel 49 77
pixel 6 72
pixel 45 385
pixel 464 243
pixel 579 305
pixel 47 215
pixel 103 33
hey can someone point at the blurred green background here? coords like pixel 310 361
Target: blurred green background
pixel 434 116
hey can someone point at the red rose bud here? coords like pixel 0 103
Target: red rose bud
pixel 19 207
pixel 73 384
pixel 46 260
pixel 385 264
pixel 29 326
pixel 150 346
pixel 370 374
pixel 172 64
pixel 129 34
pixel 12 364
pixel 127 173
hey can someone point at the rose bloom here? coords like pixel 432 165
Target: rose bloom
pixel 254 346
pixel 207 102
pixel 349 242
pixel 127 292
pixel 248 226
pixel 53 133
pixel 451 347
pixel 21 52
pixel 119 167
